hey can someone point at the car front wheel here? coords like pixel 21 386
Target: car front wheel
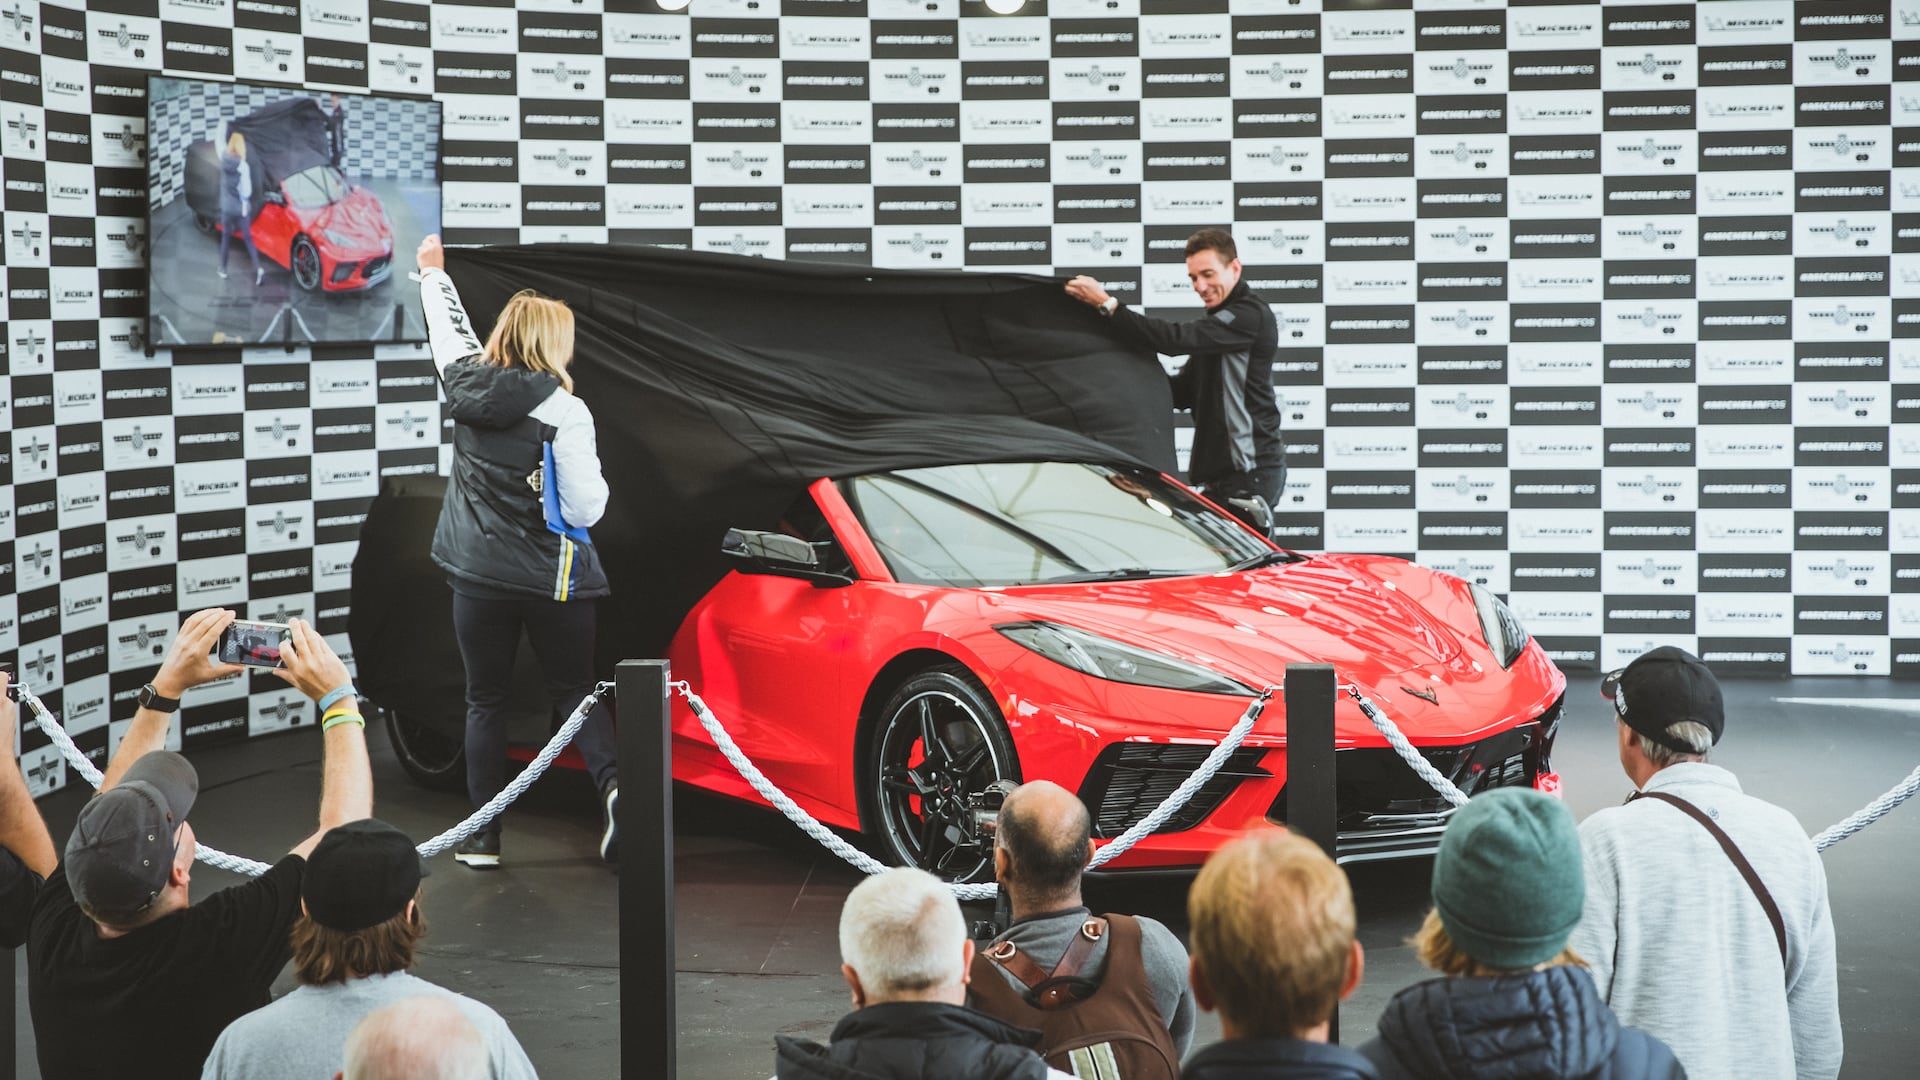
pixel 430 756
pixel 939 742
pixel 305 261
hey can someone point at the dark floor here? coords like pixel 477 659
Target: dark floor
pixel 758 905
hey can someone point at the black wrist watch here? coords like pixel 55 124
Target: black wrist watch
pixel 149 698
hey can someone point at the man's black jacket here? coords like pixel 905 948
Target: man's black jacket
pixel 914 1040
pixel 1227 382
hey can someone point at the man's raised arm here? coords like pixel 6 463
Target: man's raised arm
pixel 346 784
pixel 1220 331
pixel 22 830
pixel 189 663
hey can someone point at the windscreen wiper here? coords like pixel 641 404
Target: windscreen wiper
pixel 1265 558
pixel 1125 573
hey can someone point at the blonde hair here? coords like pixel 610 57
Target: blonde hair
pixel 1272 923
pixel 1434 948
pixel 536 333
pixel 237 144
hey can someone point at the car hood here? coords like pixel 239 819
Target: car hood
pixel 1252 624
pixel 356 216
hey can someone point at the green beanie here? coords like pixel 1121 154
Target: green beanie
pixel 1507 881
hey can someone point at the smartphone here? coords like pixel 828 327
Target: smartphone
pixel 256 644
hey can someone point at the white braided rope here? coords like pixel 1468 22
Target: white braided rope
pixel 473 823
pixel 1398 740
pixel 1871 813
pixel 867 864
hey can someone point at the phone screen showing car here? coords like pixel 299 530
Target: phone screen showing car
pixel 256 644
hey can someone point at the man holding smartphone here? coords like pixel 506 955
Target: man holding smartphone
pixel 114 944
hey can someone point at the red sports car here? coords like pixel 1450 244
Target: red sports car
pixel 332 235
pixel 909 637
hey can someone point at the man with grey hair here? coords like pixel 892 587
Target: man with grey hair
pixel 1706 922
pixel 418 1038
pixel 905 955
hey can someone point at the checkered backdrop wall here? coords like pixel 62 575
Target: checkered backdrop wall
pixel 1613 307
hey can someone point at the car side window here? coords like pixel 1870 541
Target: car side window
pixel 803 520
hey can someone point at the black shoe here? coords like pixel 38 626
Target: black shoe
pixel 480 851
pixel 609 821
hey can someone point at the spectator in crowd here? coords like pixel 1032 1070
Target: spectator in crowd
pixel 353 942
pixel 1513 1001
pixel 1126 973
pixel 124 977
pixel 1713 933
pixel 905 956
pixel 1271 924
pixel 26 849
pixel 420 1038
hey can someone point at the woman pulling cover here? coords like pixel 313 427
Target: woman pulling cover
pixel 516 555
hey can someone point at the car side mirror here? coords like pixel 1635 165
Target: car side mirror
pixel 276 198
pixel 778 555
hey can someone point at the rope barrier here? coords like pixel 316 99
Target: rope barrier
pixel 473 822
pixel 867 864
pixel 1872 812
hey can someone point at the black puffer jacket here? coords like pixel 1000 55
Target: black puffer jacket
pixel 1543 1025
pixel 913 1040
pixel 1276 1059
pixel 492 530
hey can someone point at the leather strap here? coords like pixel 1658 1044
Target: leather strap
pixel 1061 986
pixel 1740 862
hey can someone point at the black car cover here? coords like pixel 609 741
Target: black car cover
pixel 721 386
pixel 283 138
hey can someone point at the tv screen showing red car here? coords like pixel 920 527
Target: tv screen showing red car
pixel 279 215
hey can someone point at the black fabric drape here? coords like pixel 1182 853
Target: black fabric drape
pixel 722 385
pixel 283 138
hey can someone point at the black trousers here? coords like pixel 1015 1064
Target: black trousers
pixel 561 634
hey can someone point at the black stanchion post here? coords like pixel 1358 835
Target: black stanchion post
pixel 10 971
pixel 1310 785
pixel 647 1023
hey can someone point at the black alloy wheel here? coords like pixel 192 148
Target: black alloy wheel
pixel 431 757
pixel 305 261
pixel 939 741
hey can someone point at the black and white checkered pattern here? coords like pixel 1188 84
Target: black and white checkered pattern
pixel 1612 307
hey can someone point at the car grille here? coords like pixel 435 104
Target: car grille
pixel 1129 779
pixel 375 267
pixel 1386 811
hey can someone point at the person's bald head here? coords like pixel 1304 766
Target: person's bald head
pixel 1045 837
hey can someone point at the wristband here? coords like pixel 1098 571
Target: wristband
pixel 334 720
pixel 336 694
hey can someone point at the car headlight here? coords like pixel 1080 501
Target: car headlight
pixel 339 238
pixel 1105 658
pixel 1500 626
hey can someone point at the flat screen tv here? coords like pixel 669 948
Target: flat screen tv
pixel 281 215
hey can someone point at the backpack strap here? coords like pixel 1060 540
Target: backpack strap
pixel 1740 862
pixel 1061 986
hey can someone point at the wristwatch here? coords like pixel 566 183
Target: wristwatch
pixel 1109 305
pixel 149 698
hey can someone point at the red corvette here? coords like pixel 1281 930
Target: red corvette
pixel 332 235
pixel 910 637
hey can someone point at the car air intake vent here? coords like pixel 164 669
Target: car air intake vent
pixel 1376 790
pixel 1129 779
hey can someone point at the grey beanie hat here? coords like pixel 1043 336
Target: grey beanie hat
pixel 1508 883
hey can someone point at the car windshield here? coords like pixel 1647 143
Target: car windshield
pixel 310 189
pixel 1029 523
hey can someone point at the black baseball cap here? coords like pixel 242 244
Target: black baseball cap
pixel 1663 687
pixel 121 851
pixel 360 875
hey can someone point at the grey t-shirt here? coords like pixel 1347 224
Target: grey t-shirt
pixel 1046 937
pixel 304 1034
